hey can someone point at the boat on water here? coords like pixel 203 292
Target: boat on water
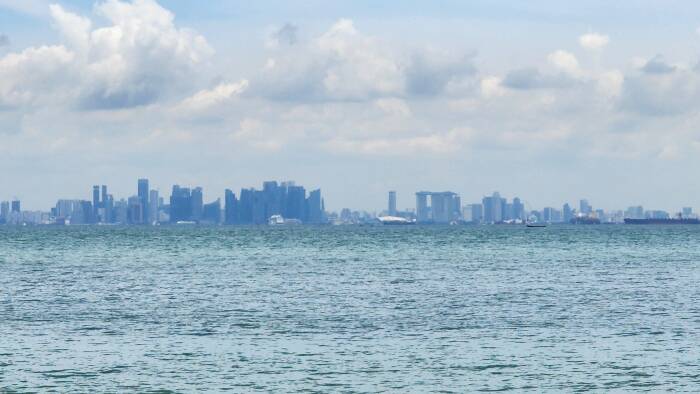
pixel 278 220
pixel 535 224
pixel 394 221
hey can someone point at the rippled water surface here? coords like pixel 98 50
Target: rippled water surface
pixel 351 309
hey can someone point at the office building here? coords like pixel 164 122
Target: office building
pixel 153 208
pixel 180 204
pixel 445 207
pixel 16 206
pixel 4 211
pixel 230 207
pixel 197 201
pixel 143 191
pixel 392 204
pixel 211 213
pixel 585 208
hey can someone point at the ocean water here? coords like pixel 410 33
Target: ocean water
pixel 350 309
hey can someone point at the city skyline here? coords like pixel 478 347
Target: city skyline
pixel 287 202
pixel 548 100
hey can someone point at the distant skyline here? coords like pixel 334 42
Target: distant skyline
pixel 549 101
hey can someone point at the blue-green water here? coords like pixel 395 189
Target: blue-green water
pixel 350 309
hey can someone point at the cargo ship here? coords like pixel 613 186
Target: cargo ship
pixel 663 221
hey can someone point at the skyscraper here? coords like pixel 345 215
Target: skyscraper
pixel 180 204
pixel 95 202
pixel 296 203
pixel 143 198
pixel 568 214
pixel 197 202
pixel 4 211
pixel 314 207
pixel 211 213
pixel 422 211
pixel 16 207
pixel 585 207
pixel 153 207
pixel 231 207
pixel 493 208
pixel 518 209
pixel 392 203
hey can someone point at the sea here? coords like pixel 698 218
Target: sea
pixel 395 309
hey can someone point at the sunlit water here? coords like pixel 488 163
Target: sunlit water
pixel 352 309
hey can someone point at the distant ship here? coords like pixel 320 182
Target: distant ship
pixel 278 220
pixel 663 221
pixel 535 224
pixel 394 221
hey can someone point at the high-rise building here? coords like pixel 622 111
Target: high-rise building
pixel 568 213
pixel 636 212
pixel 296 203
pixel 422 211
pixel 4 211
pixel 197 204
pixel 444 207
pixel 96 202
pixel 211 213
pixel 153 208
pixel 231 208
pixel 585 208
pixel 493 208
pixel 392 203
pixel 687 212
pixel 180 204
pixel 135 210
pixel 518 209
pixel 314 207
pixel 143 199
pixel 16 206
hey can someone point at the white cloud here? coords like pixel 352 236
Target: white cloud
pixel 565 61
pixel 593 41
pixel 491 87
pixel 210 97
pixel 138 59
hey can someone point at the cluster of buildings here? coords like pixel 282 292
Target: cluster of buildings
pixel 446 208
pixel 288 203
pixel 285 201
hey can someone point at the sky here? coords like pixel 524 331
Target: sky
pixel 550 101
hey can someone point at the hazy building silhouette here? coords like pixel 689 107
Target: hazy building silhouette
pixel 16 206
pixel 197 201
pixel 153 208
pixel 231 207
pixel 143 199
pixel 211 213
pixel 392 203
pixel 180 204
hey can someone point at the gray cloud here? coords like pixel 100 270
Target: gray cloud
pixel 428 75
pixel 673 94
pixel 530 78
pixel 657 65
pixel 286 34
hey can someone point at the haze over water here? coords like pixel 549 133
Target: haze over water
pixel 349 309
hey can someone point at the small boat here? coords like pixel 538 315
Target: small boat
pixel 535 224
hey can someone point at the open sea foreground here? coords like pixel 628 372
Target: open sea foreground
pixel 350 309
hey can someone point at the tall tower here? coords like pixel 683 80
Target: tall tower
pixel 153 207
pixel 95 203
pixel 143 199
pixel 392 203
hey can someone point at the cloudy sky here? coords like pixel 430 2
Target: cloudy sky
pixel 547 100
